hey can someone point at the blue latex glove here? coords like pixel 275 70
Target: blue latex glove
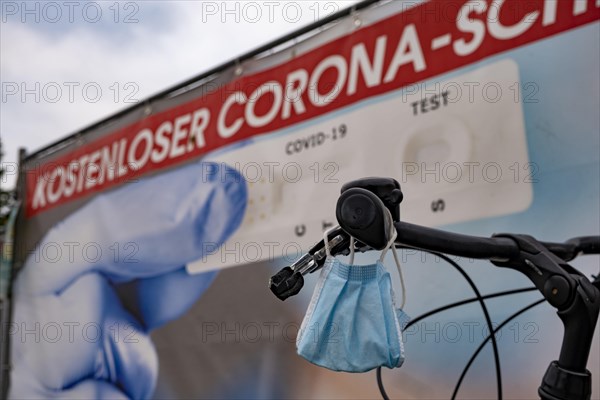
pixel 82 343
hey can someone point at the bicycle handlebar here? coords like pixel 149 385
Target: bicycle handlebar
pixel 500 249
pixel 497 249
pixel 367 206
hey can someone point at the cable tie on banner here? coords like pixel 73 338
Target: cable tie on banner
pixel 355 17
pixel 147 108
pixel 238 68
pixel 293 50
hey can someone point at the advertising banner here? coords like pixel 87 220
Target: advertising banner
pixel 146 243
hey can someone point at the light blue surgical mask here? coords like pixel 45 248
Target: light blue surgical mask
pixel 352 323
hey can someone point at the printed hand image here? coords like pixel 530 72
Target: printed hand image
pixel 107 352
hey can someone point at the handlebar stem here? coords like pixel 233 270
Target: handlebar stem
pixel 577 302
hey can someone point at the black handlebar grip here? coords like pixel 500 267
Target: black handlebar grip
pixel 364 216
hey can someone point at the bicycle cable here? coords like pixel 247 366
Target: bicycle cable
pixel 484 309
pixel 467 301
pixel 450 306
pixel 484 342
pixel 493 333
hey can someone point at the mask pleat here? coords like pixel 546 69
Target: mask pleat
pixel 353 325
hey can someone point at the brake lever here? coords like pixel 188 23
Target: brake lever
pixel 290 280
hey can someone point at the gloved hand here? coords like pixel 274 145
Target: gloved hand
pixel 72 337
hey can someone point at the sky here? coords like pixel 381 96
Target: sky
pixel 67 64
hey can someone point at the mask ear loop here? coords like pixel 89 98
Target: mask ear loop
pixel 396 259
pixel 328 249
pixel 326 240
